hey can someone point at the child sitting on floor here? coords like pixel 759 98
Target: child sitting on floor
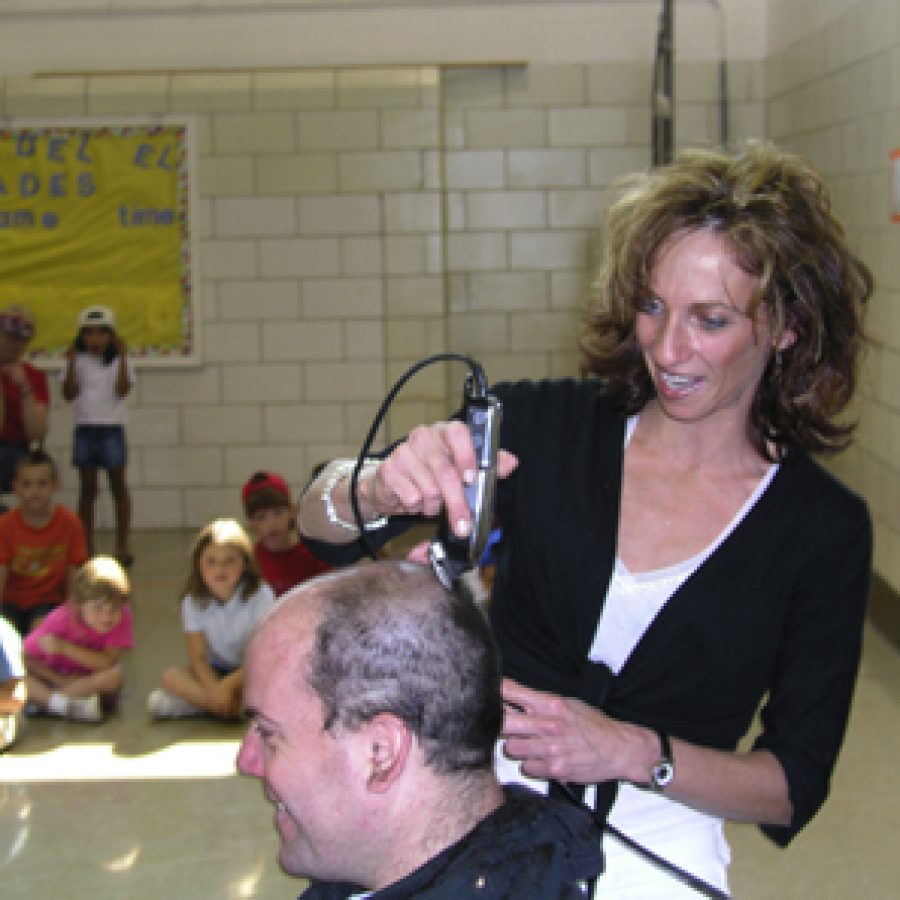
pixel 73 657
pixel 224 598
pixel 12 683
pixel 283 558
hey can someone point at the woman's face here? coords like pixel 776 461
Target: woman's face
pixel 705 354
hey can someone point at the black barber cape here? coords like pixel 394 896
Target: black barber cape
pixel 532 847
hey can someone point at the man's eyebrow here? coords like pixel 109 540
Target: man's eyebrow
pixel 255 715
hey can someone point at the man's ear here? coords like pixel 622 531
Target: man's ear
pixel 385 742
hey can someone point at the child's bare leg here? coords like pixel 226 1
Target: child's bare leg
pixel 87 498
pixel 38 690
pixel 183 684
pixel 122 499
pixel 106 681
pixel 220 701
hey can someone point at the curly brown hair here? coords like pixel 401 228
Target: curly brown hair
pixel 775 212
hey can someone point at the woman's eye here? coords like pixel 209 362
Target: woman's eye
pixel 649 306
pixel 713 323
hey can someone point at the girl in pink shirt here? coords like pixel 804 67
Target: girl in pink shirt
pixel 73 657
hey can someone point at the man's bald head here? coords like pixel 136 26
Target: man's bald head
pixel 386 637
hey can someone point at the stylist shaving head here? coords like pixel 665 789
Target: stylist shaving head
pixel 673 560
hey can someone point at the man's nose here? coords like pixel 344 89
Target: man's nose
pixel 248 755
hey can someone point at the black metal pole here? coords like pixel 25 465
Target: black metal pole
pixel 663 100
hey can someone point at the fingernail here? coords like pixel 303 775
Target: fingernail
pixel 469 476
pixel 462 528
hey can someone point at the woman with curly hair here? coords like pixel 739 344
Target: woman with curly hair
pixel 673 560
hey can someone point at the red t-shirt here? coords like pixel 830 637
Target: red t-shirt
pixel 13 431
pixel 37 560
pixel 284 569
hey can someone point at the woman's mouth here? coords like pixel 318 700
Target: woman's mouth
pixel 678 384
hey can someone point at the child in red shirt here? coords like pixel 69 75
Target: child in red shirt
pixel 283 558
pixel 41 545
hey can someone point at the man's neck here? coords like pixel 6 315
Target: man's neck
pixel 435 823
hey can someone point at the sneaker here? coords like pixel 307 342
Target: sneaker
pixel 10 727
pixel 163 705
pixel 85 709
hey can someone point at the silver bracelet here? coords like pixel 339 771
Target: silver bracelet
pixel 341 471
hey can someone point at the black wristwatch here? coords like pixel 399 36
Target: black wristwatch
pixel 662 773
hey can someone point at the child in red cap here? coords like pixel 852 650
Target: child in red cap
pixel 283 558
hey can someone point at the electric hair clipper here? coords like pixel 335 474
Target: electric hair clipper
pixel 451 556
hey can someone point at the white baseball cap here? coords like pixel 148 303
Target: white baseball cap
pixel 101 316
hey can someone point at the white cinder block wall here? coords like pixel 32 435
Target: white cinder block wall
pixel 350 222
pixel 834 85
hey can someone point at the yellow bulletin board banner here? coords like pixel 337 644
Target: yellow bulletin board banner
pixel 98 214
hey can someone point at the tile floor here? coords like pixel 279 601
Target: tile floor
pixel 140 810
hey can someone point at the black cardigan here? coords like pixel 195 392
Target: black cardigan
pixel 776 612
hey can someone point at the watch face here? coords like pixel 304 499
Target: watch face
pixel 662 773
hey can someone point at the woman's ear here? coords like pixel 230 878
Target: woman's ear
pixel 384 746
pixel 787 340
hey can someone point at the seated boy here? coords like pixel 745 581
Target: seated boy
pixel 12 683
pixel 283 558
pixel 42 544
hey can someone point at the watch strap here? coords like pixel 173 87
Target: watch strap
pixel 662 773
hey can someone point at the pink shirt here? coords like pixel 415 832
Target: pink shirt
pixel 63 622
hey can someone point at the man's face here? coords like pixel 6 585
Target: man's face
pixel 34 486
pixel 11 348
pixel 306 772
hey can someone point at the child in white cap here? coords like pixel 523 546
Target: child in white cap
pixel 98 378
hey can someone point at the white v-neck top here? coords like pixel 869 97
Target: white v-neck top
pixel 692 840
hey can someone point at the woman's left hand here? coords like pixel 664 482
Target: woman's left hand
pixel 564 739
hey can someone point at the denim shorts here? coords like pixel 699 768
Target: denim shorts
pixel 10 454
pixel 99 447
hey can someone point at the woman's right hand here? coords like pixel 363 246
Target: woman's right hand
pixel 426 473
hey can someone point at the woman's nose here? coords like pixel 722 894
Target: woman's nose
pixel 673 344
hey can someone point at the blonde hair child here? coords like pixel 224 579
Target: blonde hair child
pixel 224 597
pixel 73 657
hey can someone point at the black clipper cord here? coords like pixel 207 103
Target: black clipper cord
pixel 451 556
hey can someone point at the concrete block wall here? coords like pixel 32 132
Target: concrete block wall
pixel 834 96
pixel 352 221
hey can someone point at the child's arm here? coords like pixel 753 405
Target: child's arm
pixel 95 660
pixel 70 382
pixel 39 669
pixel 198 660
pixel 227 693
pixel 123 382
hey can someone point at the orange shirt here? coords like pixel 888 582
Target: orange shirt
pixel 37 560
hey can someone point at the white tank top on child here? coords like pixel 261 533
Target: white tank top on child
pixel 97 402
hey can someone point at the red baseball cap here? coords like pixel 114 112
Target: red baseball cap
pixel 262 480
